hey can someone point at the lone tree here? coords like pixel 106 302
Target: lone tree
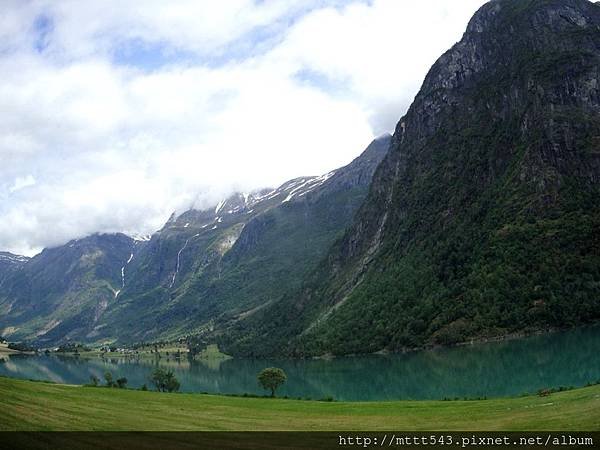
pixel 109 379
pixel 164 380
pixel 121 382
pixel 271 378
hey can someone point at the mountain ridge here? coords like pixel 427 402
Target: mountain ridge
pixel 161 286
pixel 501 143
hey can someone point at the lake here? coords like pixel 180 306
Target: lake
pixel 506 368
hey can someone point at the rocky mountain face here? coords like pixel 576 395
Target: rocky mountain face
pixel 62 292
pixel 203 267
pixel 9 264
pixel 484 218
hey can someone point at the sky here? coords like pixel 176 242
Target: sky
pixel 117 113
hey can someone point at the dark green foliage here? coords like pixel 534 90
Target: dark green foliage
pixel 72 347
pixel 121 382
pixel 164 380
pixel 109 379
pixel 21 347
pixel 271 378
pixel 195 344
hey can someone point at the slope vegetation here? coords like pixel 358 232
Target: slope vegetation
pixel 484 217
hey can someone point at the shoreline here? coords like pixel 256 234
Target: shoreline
pixel 4 350
pixel 327 356
pixel 475 341
pixel 550 390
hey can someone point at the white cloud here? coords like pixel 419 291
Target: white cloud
pixel 266 91
pixel 21 182
pixel 84 28
pixel 381 50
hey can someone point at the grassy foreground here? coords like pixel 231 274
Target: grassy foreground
pixel 28 405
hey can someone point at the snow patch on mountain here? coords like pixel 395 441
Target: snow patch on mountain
pixel 305 185
pixel 141 238
pixel 9 257
pixel 219 206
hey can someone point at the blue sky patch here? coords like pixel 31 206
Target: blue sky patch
pixel 43 27
pixel 321 81
pixel 149 56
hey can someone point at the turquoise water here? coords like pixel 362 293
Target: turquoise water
pixel 480 370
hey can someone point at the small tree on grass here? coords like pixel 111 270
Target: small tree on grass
pixel 164 380
pixel 109 379
pixel 271 378
pixel 121 382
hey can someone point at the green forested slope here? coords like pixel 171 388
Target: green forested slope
pixel 484 218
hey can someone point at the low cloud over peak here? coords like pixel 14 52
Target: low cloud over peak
pixel 116 115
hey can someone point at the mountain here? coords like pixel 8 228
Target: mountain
pixel 484 217
pixel 218 264
pixel 9 264
pixel 202 266
pixel 63 291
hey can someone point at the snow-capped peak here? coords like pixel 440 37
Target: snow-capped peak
pixel 219 206
pixel 5 256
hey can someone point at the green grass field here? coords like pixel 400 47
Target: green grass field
pixel 28 405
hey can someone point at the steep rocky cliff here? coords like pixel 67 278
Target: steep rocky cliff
pixel 484 218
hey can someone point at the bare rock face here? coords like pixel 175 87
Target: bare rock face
pixel 484 217
pixel 526 68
